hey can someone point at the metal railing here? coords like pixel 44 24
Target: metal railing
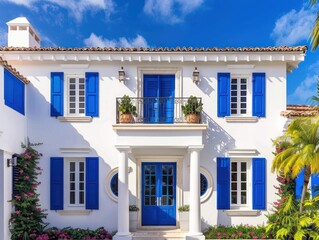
pixel 163 110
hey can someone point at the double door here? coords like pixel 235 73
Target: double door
pixel 158 98
pixel 158 194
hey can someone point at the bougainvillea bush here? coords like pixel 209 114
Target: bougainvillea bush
pixel 236 232
pixel 28 216
pixel 73 233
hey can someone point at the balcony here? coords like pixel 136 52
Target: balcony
pixel 159 110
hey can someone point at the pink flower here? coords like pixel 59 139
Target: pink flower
pixel 26 177
pixel 280 191
pixel 17 197
pixel 225 234
pixel 17 212
pixel 25 195
pixel 31 194
pixel 255 237
pixel 21 171
pixel 234 234
pixel 26 155
pixel 240 233
pixel 13 219
pixel 39 209
pixel 218 233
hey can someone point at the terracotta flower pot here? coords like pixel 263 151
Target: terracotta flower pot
pixel 126 118
pixel 192 118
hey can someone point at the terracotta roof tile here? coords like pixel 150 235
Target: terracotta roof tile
pixel 162 49
pixel 13 71
pixel 300 111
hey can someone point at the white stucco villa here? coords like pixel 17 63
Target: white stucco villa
pixel 94 167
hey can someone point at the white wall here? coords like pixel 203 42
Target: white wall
pixel 13 132
pixel 100 137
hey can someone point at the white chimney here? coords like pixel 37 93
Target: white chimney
pixel 22 34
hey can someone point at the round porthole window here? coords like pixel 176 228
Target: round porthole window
pixel 111 184
pixel 203 184
pixel 206 185
pixel 114 184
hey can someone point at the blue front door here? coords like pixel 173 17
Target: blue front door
pixel 158 194
pixel 158 94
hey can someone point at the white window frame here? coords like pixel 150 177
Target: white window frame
pixel 67 96
pixel 67 204
pixel 248 204
pixel 248 96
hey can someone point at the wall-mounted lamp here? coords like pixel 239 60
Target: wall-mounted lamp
pixel 196 76
pixel 12 162
pixel 122 75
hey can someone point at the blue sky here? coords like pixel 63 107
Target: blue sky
pixel 156 23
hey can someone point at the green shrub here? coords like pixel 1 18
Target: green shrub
pixel 184 208
pixel 126 106
pixel 236 232
pixel 193 106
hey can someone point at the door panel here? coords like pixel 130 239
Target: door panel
pixel 158 94
pixel 158 194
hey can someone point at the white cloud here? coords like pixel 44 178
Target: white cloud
pixel 171 11
pixel 295 26
pixel 305 90
pixel 75 7
pixel 3 37
pixel 99 41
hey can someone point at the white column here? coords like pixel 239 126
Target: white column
pixel 194 196
pixel 123 232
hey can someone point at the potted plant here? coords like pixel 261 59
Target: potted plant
pixel 184 217
pixel 192 110
pixel 133 217
pixel 127 110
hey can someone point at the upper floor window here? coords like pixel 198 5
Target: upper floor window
pixel 241 95
pixel 75 95
pixel 75 104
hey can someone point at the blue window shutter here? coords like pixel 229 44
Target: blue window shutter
pixel 92 183
pixel 167 90
pixel 223 183
pixel 150 93
pixel 92 94
pixel 259 183
pixel 14 92
pixel 299 184
pixel 56 183
pixel 259 94
pixel 19 96
pixel 315 185
pixel 57 94
pixel 223 91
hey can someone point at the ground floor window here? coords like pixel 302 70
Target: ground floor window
pixel 75 182
pixel 240 175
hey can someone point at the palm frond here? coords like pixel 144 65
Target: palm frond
pixel 315 33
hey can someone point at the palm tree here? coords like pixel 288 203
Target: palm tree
pixel 301 153
pixel 315 30
pixel 316 98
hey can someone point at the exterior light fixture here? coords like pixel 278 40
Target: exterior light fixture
pixel 196 76
pixel 122 75
pixel 12 162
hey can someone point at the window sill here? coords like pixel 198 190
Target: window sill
pixel 75 119
pixel 74 212
pixel 242 212
pixel 241 119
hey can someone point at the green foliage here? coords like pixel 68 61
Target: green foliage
pixel 126 106
pixel 133 208
pixel 193 106
pixel 28 216
pixel 236 232
pixel 316 98
pixel 286 221
pixel 184 208
pixel 302 152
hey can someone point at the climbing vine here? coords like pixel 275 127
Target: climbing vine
pixel 27 219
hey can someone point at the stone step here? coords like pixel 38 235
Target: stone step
pixel 174 234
